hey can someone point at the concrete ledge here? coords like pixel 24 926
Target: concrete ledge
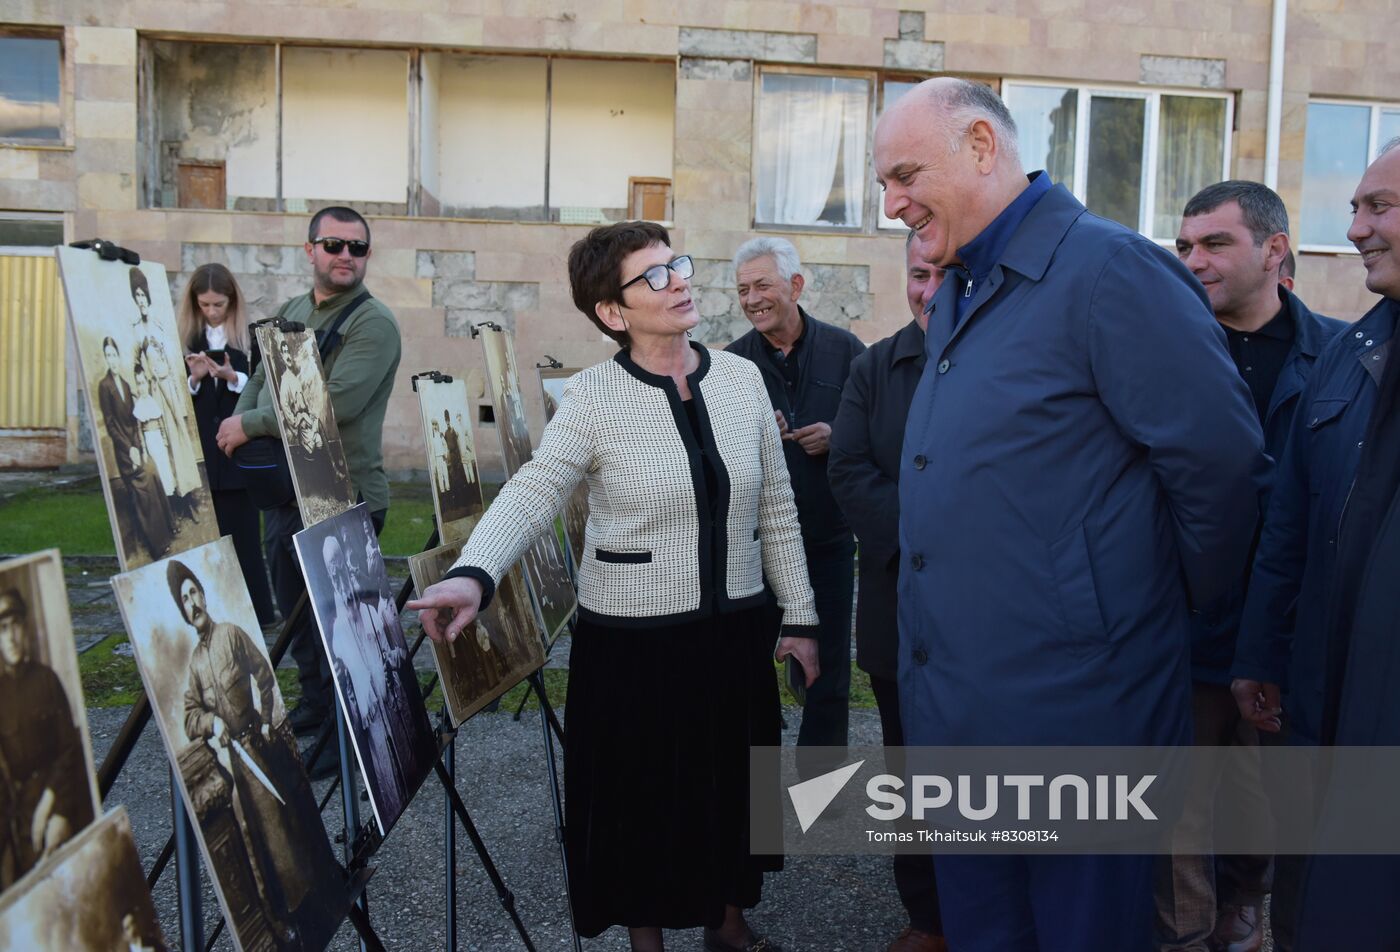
pixel 1182 71
pixel 749 44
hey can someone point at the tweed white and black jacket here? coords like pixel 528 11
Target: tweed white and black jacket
pixel 646 563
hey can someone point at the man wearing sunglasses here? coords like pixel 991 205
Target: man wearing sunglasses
pixel 359 370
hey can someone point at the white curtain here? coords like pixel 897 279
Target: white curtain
pixel 853 160
pixel 807 124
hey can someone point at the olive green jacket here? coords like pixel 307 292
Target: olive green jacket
pixel 359 377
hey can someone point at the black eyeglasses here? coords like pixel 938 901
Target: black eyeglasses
pixel 657 276
pixel 333 246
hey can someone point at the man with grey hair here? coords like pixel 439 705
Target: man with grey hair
pixel 1060 516
pixel 805 363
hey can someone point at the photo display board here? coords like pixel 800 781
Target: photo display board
pixel 220 713
pixel 48 787
pixel 138 400
pixel 373 673
pixel 494 653
pixel 315 454
pixel 90 896
pixel 553 381
pixel 452 469
pixel 550 584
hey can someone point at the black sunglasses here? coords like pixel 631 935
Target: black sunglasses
pixel 657 276
pixel 333 246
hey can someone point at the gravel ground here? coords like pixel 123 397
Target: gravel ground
pixel 847 903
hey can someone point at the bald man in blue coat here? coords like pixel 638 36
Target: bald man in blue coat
pixel 1080 470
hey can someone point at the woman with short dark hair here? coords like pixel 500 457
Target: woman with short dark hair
pixel 671 675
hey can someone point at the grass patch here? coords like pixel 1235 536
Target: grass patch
pixel 411 521
pixel 556 685
pixel 72 517
pixel 109 678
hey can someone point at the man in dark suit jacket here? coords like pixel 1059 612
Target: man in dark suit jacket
pixel 864 473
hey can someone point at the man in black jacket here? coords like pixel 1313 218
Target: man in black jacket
pixel 1348 901
pixel 1234 238
pixel 804 363
pixel 864 471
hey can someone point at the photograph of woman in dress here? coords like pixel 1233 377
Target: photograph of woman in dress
pixel 183 478
pixel 152 467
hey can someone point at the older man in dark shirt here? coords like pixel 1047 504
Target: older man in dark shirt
pixel 805 363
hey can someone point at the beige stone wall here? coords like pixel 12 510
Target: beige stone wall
pixel 1335 48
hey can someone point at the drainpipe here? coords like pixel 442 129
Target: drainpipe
pixel 1275 117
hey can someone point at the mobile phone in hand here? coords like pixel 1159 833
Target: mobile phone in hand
pixel 796 677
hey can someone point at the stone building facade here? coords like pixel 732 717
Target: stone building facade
pixel 483 137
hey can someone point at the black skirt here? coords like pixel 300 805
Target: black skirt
pixel 659 722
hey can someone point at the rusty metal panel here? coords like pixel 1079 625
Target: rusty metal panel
pixel 32 340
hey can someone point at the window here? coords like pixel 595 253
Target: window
pixel 890 91
pixel 1341 141
pixel 1135 156
pixel 29 87
pixel 30 230
pixel 396 132
pixel 810 149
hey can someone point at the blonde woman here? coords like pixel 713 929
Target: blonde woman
pixel 214 332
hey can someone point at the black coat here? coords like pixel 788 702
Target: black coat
pixel 863 470
pixel 823 361
pixel 213 404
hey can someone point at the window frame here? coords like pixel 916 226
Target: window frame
pixel 37 251
pixel 1152 96
pixel 64 140
pixel 874 78
pixel 1372 133
pixel 149 159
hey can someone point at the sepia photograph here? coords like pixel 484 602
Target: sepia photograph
pixel 373 672
pixel 315 454
pixel 553 380
pixel 48 787
pixel 492 656
pixel 201 656
pixel 91 896
pixel 451 456
pixel 139 406
pixel 548 575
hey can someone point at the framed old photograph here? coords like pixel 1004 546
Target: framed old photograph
pixel 315 454
pixel 451 456
pixel 548 575
pixel 90 896
pixel 48 788
pixel 373 672
pixel 138 401
pixel 496 653
pixel 216 703
pixel 553 381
